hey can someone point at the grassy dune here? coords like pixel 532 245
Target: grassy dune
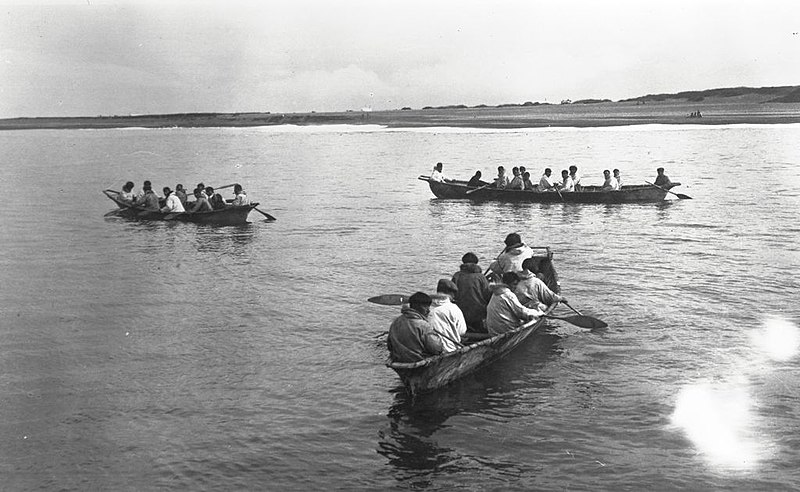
pixel 717 106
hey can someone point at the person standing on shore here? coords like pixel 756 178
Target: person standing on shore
pixel 662 179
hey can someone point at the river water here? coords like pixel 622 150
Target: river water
pixel 141 356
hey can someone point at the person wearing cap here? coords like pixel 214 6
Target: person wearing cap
pixel 505 312
pixel 473 292
pixel 240 197
pixel 173 203
pixel 437 175
pixel 510 260
pixel 411 337
pixel 445 317
pixel 531 291
pixel 149 200
pixel 662 179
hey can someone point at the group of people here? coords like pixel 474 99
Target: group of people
pixel 432 324
pixel 205 198
pixel 521 179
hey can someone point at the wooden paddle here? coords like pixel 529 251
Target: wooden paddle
pixel 579 320
pixel 679 195
pixel 268 216
pixel 478 188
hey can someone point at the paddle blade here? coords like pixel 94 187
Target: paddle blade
pixel 683 197
pixel 585 321
pixel 389 299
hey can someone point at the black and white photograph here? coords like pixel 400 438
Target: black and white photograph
pixel 481 245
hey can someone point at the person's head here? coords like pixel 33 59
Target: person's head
pixel 147 183
pixel 445 286
pixel 166 191
pixel 178 187
pixel 573 169
pixel 616 172
pixel 146 187
pixel 501 170
pixel 606 173
pixel 477 174
pixel 515 171
pixel 469 258
pixel 128 186
pixel 237 188
pixel 511 279
pixel 209 191
pixel 526 175
pixel 513 239
pixel 198 192
pixel 530 264
pixel 200 186
pixel 522 169
pixel 420 302
pixel 564 173
pixel 547 171
pixel 660 170
pixel 438 166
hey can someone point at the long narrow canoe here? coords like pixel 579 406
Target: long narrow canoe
pixel 456 189
pixel 230 215
pixel 438 371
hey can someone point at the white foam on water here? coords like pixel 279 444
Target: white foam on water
pixel 778 338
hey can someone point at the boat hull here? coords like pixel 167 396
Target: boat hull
pixel 438 371
pixel 455 190
pixel 230 215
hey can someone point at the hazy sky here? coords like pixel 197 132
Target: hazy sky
pixel 91 57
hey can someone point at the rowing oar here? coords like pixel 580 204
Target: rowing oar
pixel 679 195
pixel 268 216
pixel 478 188
pixel 579 320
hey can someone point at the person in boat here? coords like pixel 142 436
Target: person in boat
pixel 662 179
pixel 411 337
pixel 173 203
pixel 240 197
pixel 531 291
pixel 181 194
pixel 576 178
pixel 473 292
pixel 501 181
pixel 566 182
pixel 546 182
pixel 215 199
pixel 526 181
pixel 516 182
pixel 476 180
pixel 522 170
pixel 201 203
pixel 618 178
pixel 437 175
pixel 610 184
pixel 140 196
pixel 127 196
pixel 149 200
pixel 511 258
pixel 505 312
pixel 445 316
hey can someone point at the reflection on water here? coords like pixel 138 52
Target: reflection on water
pixel 778 338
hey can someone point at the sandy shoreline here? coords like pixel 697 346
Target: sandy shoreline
pixel 571 115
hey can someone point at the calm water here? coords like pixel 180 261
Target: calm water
pixel 137 356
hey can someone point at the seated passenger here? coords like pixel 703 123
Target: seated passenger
pixel 181 194
pixel 576 178
pixel 546 182
pixel 127 196
pixel 501 181
pixel 411 337
pixel 531 291
pixel 201 202
pixel 610 184
pixel 241 197
pixel 566 181
pixel 215 199
pixel 173 203
pixel 510 260
pixel 516 183
pixel 618 178
pixel 476 180
pixel 473 292
pixel 505 312
pixel 662 179
pixel 526 181
pixel 445 317
pixel 437 175
pixel 149 200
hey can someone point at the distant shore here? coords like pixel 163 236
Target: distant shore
pixel 716 111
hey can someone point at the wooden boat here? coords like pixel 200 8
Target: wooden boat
pixel 456 189
pixel 438 371
pixel 229 215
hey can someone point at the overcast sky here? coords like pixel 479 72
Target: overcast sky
pixel 92 57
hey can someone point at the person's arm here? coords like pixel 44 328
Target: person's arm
pixel 521 311
pixel 431 341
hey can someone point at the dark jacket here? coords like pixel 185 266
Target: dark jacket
pixel 411 338
pixel 473 294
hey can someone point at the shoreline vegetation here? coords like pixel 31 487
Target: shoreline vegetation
pixel 740 105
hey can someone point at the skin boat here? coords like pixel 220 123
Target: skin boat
pixel 229 215
pixel 456 189
pixel 440 370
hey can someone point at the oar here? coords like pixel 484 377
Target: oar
pixel 478 188
pixel 224 186
pixel 679 195
pixel 579 320
pixel 268 216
